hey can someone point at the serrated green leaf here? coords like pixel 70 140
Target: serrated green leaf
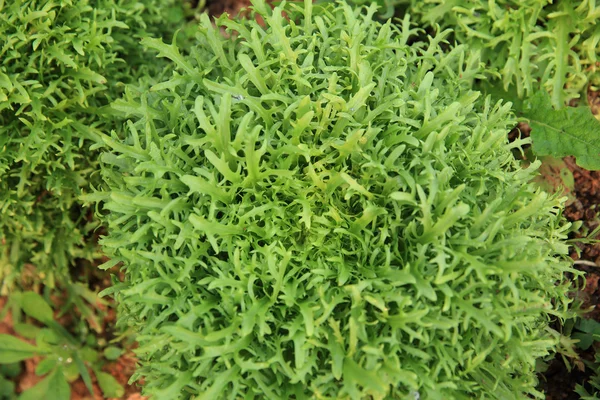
pixel 570 131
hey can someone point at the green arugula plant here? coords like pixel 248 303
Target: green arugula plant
pixel 63 61
pixel 321 208
pixel 65 357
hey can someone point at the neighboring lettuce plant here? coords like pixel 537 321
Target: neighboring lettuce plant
pixel 533 43
pixel 536 47
pixel 63 61
pixel 316 208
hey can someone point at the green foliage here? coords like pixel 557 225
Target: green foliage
pixel 7 386
pixel 64 357
pixel 591 389
pixel 386 8
pixel 63 61
pixel 319 209
pixel 587 331
pixel 565 132
pixel 532 43
pixel 13 349
pixel 535 46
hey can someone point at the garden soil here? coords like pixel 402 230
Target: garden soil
pixel 231 7
pixel 559 381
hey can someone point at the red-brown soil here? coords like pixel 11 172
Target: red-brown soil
pixel 558 381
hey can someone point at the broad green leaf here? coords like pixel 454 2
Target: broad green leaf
pixel 7 388
pixel 27 331
pixel 45 366
pixel 88 354
pixel 35 306
pixel 112 352
pixel 53 387
pixel 570 131
pixel 588 325
pixel 13 349
pixel 71 372
pixel 109 385
pixel 585 340
pixel 11 370
pixel 47 336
